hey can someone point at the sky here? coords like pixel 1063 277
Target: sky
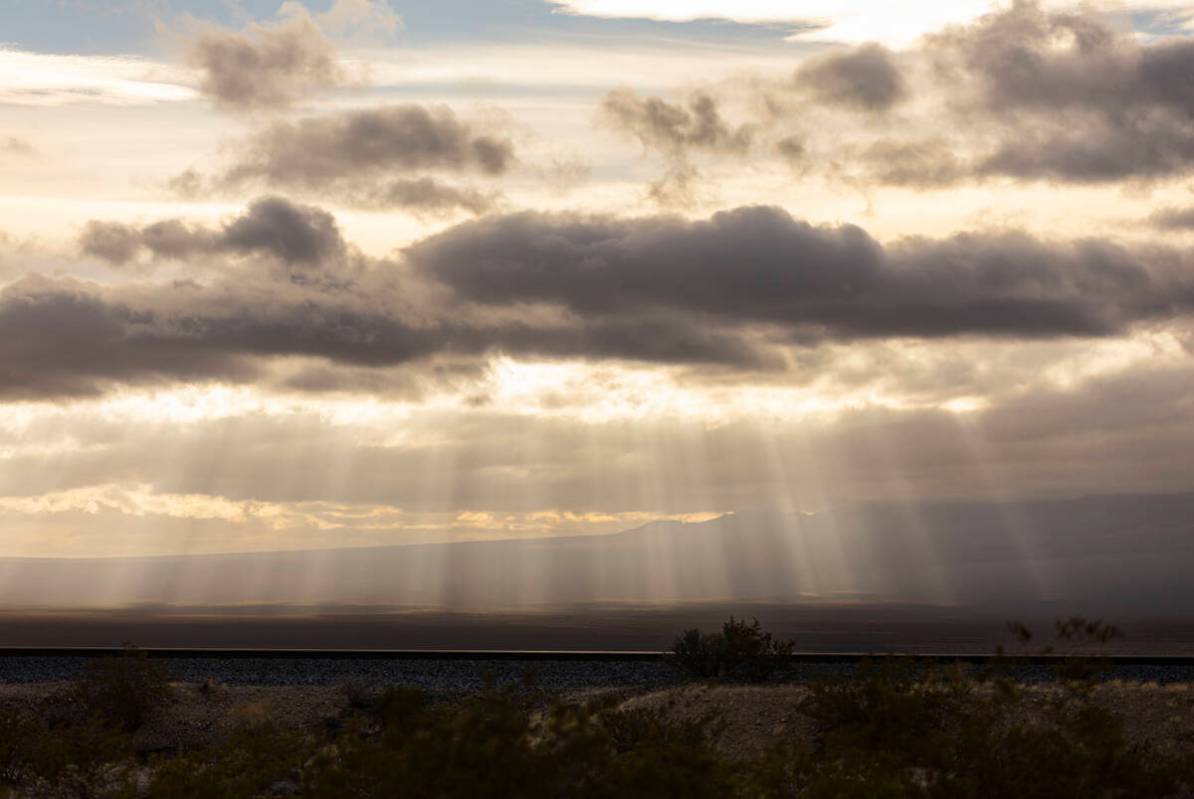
pixel 309 275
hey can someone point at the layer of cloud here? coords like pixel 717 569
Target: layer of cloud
pixel 1129 431
pixel 294 234
pixel 424 197
pixel 377 158
pixel 1173 219
pixel 738 290
pixel 318 151
pixel 759 265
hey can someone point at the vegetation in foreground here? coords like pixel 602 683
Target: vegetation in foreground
pixel 893 731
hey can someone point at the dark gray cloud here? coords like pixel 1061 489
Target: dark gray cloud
pixel 425 196
pixel 865 78
pixel 292 233
pixel 1024 93
pixel 922 164
pixel 368 159
pixel 266 67
pixel 658 124
pixel 321 152
pixel 1072 97
pixel 1173 219
pixel 1101 152
pixel 62 338
pixel 676 131
pixel 758 265
pixel 68 338
pixel 114 242
pixel 743 289
pixel 793 149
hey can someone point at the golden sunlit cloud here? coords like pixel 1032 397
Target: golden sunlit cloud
pixel 267 525
pixel 45 79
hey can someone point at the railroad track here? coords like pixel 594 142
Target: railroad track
pixel 598 656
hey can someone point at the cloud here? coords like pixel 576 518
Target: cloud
pixel 1039 442
pixel 743 289
pixel 113 242
pixel 52 79
pixel 424 196
pixel 368 159
pixel 921 164
pixel 866 78
pixel 232 330
pixel 676 131
pixel 1027 92
pixel 856 21
pixel 370 22
pixel 267 67
pixel 758 265
pixel 61 338
pixel 15 145
pixel 1069 96
pixel 1173 219
pixel 294 234
pixel 661 125
pixel 318 151
pixel 283 284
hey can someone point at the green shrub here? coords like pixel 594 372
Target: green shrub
pixel 741 651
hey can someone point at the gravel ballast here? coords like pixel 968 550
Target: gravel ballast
pixel 463 675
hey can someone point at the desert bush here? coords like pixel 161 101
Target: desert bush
pixel 741 651
pixel 123 691
pixel 86 759
pixel 257 759
pixel 904 731
pixel 16 731
pixel 895 729
pixel 359 694
pixel 498 745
